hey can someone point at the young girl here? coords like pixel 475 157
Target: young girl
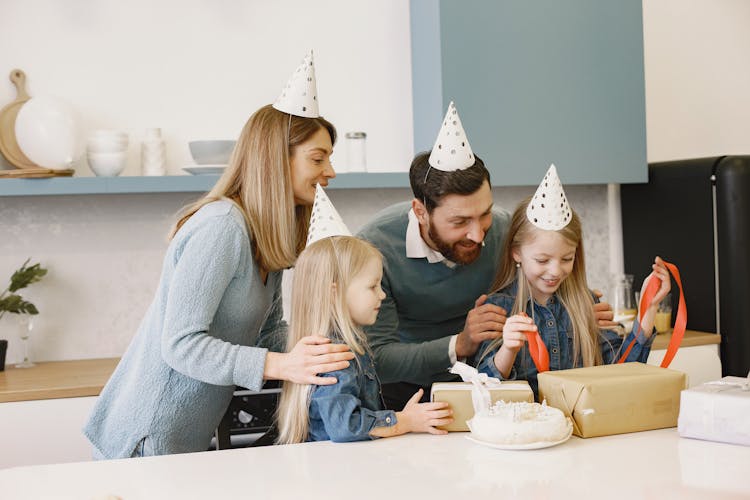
pixel 542 282
pixel 336 290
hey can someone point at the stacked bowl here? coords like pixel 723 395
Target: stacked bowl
pixel 107 152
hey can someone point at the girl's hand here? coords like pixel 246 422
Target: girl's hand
pixel 513 332
pixel 513 340
pixel 418 417
pixel 660 272
pixel 309 357
pixel 424 417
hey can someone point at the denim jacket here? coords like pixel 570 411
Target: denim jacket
pixel 351 408
pixel 556 330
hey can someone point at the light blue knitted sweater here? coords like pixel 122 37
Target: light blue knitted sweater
pixel 176 378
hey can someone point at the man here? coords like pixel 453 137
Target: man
pixel 440 252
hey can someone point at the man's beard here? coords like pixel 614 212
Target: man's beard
pixel 455 252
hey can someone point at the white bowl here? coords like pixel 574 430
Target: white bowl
pixel 107 164
pixel 117 134
pixel 215 152
pixel 106 146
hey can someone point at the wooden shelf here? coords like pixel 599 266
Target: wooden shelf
pixel 171 184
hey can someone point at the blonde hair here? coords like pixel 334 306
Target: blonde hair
pixel 258 181
pixel 322 275
pixel 573 293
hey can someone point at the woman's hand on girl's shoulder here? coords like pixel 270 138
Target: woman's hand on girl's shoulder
pixel 309 357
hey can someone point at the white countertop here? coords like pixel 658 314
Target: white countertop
pixel 655 464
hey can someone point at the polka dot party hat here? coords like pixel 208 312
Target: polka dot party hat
pixel 451 150
pixel 325 221
pixel 300 95
pixel 549 208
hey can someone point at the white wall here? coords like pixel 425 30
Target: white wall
pixel 104 252
pixel 199 68
pixel 697 62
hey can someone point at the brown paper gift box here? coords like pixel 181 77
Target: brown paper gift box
pixel 615 399
pixel 458 395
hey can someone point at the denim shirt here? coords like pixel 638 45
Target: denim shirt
pixel 556 330
pixel 349 409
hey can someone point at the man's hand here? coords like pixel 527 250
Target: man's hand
pixel 484 322
pixel 603 313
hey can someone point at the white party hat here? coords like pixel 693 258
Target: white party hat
pixel 549 208
pixel 451 150
pixel 300 95
pixel 325 221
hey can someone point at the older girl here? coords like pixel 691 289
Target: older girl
pixel 542 282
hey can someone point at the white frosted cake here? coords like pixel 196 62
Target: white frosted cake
pixel 520 423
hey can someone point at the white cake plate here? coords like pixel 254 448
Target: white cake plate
pixel 524 446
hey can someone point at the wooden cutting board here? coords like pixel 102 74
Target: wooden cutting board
pixel 36 172
pixel 8 144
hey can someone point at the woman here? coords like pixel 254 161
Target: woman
pixel 220 294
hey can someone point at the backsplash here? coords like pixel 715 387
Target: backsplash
pixel 104 254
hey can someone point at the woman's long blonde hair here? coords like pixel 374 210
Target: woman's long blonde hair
pixel 322 275
pixel 573 293
pixel 258 180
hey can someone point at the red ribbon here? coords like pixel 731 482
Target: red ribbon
pixel 680 322
pixel 537 349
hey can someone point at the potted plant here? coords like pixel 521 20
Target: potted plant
pixel 11 302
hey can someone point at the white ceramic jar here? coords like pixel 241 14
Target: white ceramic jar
pixel 153 153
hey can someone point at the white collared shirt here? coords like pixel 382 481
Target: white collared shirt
pixel 417 248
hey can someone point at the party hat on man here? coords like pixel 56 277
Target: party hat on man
pixel 549 208
pixel 300 95
pixel 325 221
pixel 451 150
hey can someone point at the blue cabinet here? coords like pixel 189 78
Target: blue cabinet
pixel 535 82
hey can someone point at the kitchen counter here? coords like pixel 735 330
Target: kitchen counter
pixel 654 464
pixel 691 339
pixel 68 379
pixel 56 379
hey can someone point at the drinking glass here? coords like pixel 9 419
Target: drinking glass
pixel 26 324
pixel 663 318
pixel 623 301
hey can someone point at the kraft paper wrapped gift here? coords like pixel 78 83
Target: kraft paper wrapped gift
pixel 615 399
pixel 458 395
pixel 717 411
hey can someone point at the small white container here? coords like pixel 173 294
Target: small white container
pixel 107 164
pixel 356 152
pixel 153 153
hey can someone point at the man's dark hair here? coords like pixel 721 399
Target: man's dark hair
pixel 439 183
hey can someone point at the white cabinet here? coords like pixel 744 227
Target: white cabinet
pixel 44 432
pixel 700 362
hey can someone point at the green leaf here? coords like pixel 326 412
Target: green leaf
pixel 15 304
pixel 25 276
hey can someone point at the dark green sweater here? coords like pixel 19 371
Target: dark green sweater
pixel 425 303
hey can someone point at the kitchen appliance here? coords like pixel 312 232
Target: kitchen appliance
pixel 706 203
pixel 250 415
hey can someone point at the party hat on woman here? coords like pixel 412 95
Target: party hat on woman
pixel 325 221
pixel 451 150
pixel 549 208
pixel 300 95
